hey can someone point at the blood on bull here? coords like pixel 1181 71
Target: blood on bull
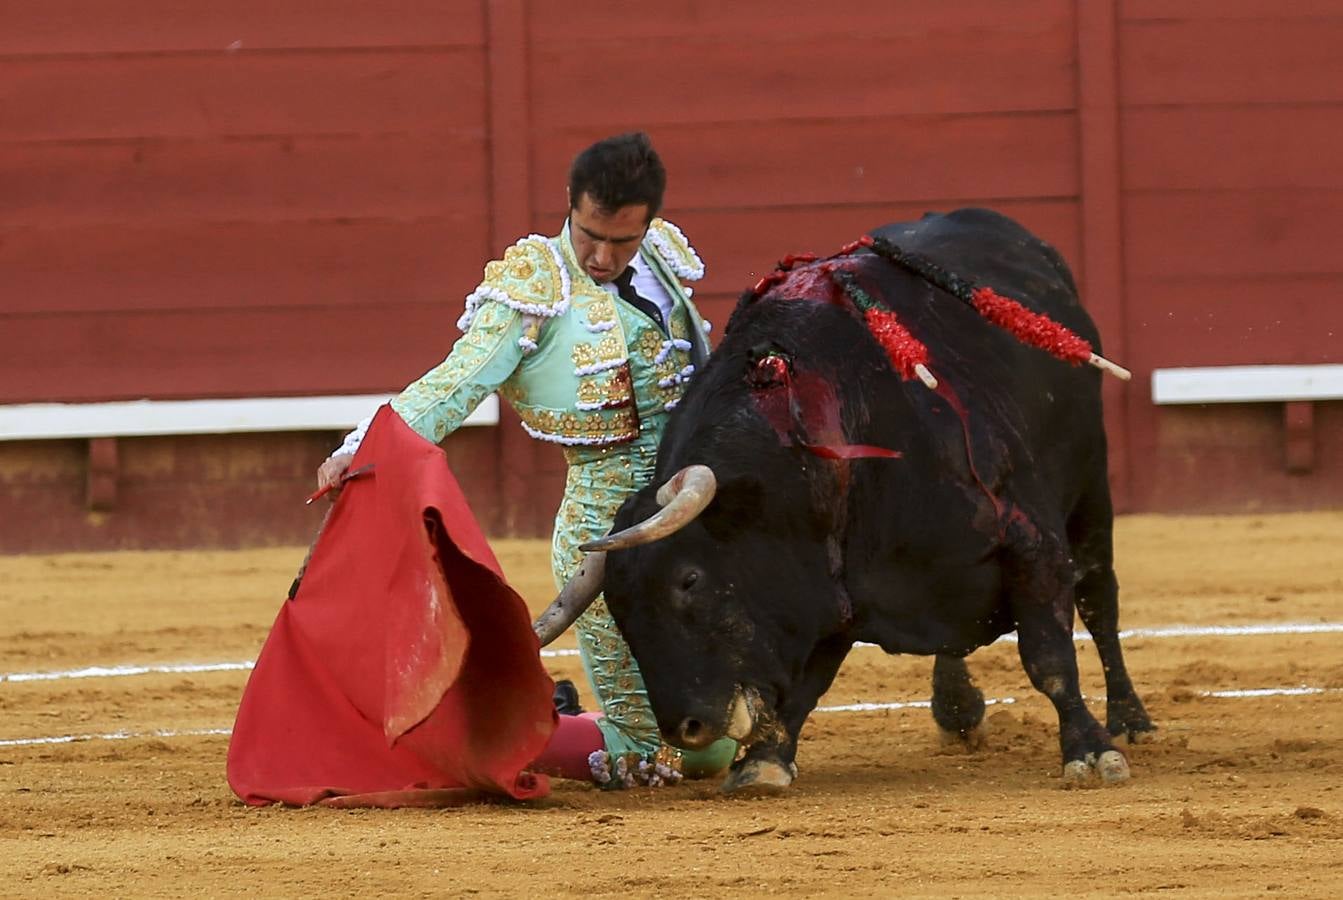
pixel 894 445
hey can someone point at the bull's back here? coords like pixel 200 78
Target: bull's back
pixel 1031 419
pixel 994 250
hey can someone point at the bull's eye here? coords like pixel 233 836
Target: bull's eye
pixel 689 579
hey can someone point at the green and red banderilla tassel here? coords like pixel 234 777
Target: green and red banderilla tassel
pixel 908 355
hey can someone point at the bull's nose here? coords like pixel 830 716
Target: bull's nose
pixel 693 734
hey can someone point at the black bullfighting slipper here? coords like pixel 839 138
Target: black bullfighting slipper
pixel 566 698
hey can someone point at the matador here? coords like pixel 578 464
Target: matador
pixel 591 336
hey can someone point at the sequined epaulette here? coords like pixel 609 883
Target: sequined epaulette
pixel 675 250
pixel 531 278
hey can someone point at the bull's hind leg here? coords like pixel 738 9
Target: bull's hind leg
pixel 958 706
pixel 1039 583
pixel 1090 532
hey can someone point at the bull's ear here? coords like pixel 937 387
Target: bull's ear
pixel 737 506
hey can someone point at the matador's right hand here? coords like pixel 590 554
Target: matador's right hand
pixel 329 472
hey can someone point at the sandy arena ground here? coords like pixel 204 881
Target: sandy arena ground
pixel 1237 796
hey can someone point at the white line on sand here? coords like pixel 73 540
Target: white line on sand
pixel 122 671
pixel 1167 631
pixel 1220 695
pixel 110 736
pixel 848 707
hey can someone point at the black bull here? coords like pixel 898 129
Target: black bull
pixel 996 515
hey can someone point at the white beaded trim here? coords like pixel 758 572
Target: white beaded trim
pixel 667 347
pixel 601 366
pixel 679 377
pixel 571 441
pixel 691 271
pixel 648 772
pixel 354 438
pixel 485 292
pixel 475 298
pixel 599 762
pixel 656 774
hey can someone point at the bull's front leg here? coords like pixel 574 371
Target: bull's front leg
pixel 767 763
pixel 1040 589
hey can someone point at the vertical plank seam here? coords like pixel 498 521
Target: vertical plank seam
pixel 508 126
pixel 1101 201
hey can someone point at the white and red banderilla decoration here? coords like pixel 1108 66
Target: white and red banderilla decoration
pixel 907 354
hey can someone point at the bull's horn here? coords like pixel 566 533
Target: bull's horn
pixel 576 597
pixel 682 498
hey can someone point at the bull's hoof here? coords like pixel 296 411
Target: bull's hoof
pixel 1109 768
pixel 971 739
pixel 759 776
pixel 1128 719
pixel 1139 737
pixel 1134 730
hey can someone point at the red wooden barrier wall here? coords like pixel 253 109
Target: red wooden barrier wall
pixel 251 199
pixel 1232 132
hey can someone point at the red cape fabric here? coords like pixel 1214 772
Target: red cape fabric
pixel 404 671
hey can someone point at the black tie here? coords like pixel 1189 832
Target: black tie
pixel 625 286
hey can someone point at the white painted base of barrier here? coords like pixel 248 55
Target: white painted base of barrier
pixel 141 418
pixel 1247 384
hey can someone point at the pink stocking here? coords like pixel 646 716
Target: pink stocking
pixel 566 756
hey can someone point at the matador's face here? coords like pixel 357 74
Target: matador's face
pixel 606 240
